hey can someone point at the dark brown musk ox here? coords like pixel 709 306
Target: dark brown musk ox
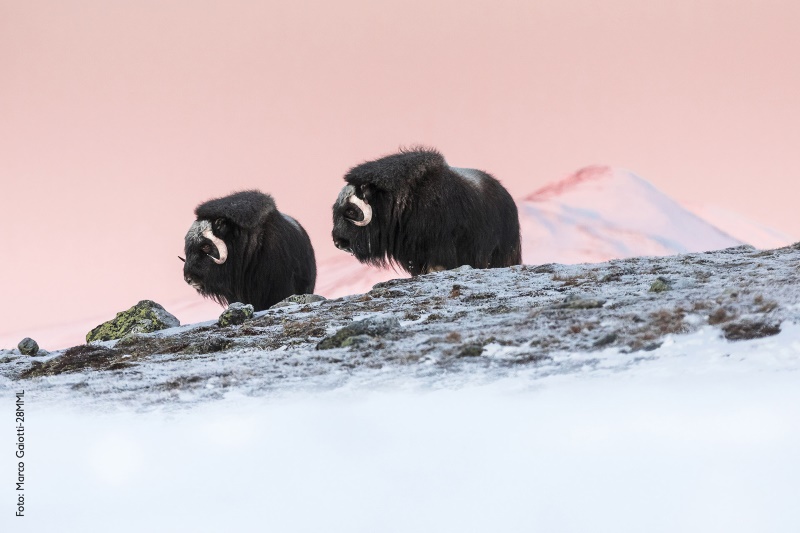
pixel 242 249
pixel 411 209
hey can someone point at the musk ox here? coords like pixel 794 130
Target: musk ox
pixel 242 249
pixel 413 210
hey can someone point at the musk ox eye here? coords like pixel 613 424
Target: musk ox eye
pixel 353 213
pixel 206 248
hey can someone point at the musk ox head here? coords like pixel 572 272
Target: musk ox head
pixel 242 249
pixel 352 210
pixel 206 255
pixel 413 210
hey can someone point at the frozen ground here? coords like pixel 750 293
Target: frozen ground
pixel 439 330
pixel 600 397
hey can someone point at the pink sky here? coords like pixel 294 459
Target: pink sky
pixel 118 118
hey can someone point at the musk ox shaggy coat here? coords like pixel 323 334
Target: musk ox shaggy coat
pixel 413 210
pixel 242 249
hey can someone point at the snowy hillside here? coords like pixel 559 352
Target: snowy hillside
pixel 644 394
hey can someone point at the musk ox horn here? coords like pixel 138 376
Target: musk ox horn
pixel 220 244
pixel 365 208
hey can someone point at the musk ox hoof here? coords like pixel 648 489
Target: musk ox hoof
pixel 235 314
pixel 144 317
pixel 28 346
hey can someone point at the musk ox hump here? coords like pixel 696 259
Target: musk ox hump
pixel 292 221
pixel 246 209
pixel 397 171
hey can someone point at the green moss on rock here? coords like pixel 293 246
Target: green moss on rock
pixel 235 314
pixel 145 317
pixel 356 340
pixel 661 284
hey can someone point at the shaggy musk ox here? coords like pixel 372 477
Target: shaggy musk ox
pixel 242 249
pixel 413 210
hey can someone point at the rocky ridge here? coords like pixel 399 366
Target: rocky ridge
pixel 545 319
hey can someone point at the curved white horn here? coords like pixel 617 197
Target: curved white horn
pixel 365 208
pixel 220 244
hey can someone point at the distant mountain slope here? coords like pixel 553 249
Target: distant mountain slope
pixel 602 213
pixel 741 227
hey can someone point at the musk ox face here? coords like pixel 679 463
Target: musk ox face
pixel 206 256
pixel 354 229
pixel 412 210
pixel 242 249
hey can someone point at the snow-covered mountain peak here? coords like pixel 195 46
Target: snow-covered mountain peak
pixel 600 213
pixel 591 178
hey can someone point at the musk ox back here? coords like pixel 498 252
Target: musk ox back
pixel 413 210
pixel 242 249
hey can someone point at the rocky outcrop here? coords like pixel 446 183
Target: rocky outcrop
pixel 28 346
pixel 145 317
pixel 235 314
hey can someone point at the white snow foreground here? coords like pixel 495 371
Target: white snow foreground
pixel 571 399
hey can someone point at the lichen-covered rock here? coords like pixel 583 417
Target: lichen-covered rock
pixel 356 340
pixel 235 314
pixel 145 317
pixel 661 284
pixel 371 327
pixel 299 299
pixel 28 346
